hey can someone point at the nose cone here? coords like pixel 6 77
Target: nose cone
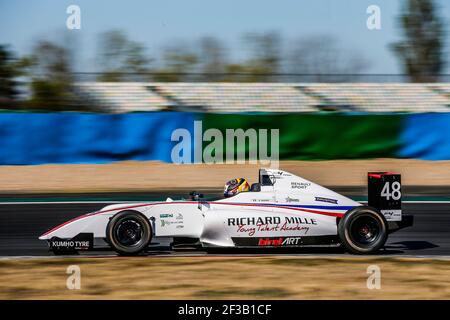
pixel 49 234
pixel 45 237
pixel 65 230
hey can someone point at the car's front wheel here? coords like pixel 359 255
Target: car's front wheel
pixel 363 230
pixel 129 232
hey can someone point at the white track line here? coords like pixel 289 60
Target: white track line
pixel 67 202
pixel 245 256
pixel 98 202
pixel 420 201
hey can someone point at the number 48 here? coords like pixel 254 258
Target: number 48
pixel 395 193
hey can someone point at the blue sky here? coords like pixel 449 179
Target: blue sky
pixel 157 23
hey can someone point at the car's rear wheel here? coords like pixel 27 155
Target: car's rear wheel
pixel 363 230
pixel 129 232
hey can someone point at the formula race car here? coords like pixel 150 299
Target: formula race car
pixel 281 210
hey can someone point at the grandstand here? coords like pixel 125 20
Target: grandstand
pixel 118 97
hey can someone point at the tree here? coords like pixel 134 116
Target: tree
pixel 8 83
pixel 317 58
pixel 266 50
pixel 265 56
pixel 11 67
pixel 421 50
pixel 211 58
pixel 51 77
pixel 263 61
pixel 178 61
pixel 121 58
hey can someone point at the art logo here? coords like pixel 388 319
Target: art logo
pixel 278 242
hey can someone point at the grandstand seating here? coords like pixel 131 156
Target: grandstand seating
pixel 266 97
pixel 120 96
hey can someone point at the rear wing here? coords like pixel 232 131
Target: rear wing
pixel 385 194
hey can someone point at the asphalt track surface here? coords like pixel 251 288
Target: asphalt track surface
pixel 22 223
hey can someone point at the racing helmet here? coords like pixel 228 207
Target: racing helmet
pixel 233 187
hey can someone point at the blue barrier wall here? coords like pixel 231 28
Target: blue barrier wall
pixel 37 138
pixel 425 136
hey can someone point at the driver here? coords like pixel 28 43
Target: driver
pixel 233 187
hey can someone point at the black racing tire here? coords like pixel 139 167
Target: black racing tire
pixel 363 230
pixel 128 232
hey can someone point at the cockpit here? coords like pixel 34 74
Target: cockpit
pixel 238 185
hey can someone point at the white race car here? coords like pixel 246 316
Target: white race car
pixel 281 210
